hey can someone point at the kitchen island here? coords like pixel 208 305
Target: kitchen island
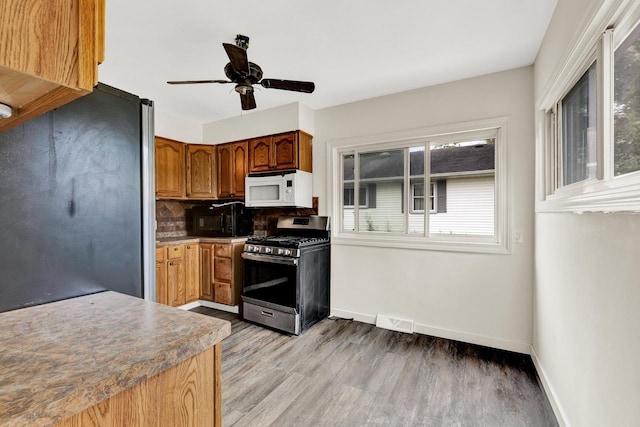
pixel 109 359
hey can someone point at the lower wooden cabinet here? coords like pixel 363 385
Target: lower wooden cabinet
pixel 188 272
pixel 161 276
pixel 221 272
pixel 177 274
pixel 206 276
pixel 192 272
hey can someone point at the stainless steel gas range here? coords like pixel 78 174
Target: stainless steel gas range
pixel 286 276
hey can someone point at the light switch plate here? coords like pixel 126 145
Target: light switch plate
pixel 516 236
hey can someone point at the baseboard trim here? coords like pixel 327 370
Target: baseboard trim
pixel 201 303
pixel 352 315
pixel 228 308
pixel 483 340
pixel 549 390
pixel 422 329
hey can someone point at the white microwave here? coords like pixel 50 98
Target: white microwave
pixel 291 188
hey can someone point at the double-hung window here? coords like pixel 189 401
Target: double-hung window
pixel 589 157
pixel 442 191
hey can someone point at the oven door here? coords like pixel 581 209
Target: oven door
pixel 270 291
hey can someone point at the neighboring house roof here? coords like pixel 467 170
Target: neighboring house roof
pixel 444 161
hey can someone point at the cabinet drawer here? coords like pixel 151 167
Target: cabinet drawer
pixel 223 251
pixel 222 292
pixel 160 254
pixel 222 269
pixel 175 252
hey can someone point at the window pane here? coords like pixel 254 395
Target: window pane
pixel 416 172
pixel 626 107
pixel 463 177
pixel 579 130
pixel 383 170
pixel 347 189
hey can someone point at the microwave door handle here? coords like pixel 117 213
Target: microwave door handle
pixel 222 222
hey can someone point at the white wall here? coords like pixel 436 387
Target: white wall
pixel 178 128
pixel 482 298
pixel 587 284
pixel 295 116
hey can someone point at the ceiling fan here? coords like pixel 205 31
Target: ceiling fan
pixel 245 74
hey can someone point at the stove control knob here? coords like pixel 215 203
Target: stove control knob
pixel 256 249
pixel 268 250
pixel 287 252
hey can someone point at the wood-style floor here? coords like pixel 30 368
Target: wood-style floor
pixel 345 373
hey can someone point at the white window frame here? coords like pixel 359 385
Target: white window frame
pixel 433 195
pixel 366 200
pixel 496 128
pixel 606 192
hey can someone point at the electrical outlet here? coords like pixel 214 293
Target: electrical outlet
pixel 516 236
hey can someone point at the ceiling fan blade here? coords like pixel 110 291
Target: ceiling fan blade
pixel 188 82
pixel 307 87
pixel 248 101
pixel 237 57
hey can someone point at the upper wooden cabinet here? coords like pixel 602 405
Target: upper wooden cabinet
pixel 201 171
pixel 170 179
pixel 232 169
pixel 49 54
pixel 291 150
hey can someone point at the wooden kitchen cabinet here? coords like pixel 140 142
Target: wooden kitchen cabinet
pixel 170 162
pixel 227 273
pixel 178 274
pixel 192 272
pixel 161 276
pixel 291 150
pixel 206 271
pixel 201 171
pixel 176 279
pixel 232 162
pixel 49 54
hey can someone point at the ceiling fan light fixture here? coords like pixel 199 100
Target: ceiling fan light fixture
pixel 243 89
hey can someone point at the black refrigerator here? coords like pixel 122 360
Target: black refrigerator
pixel 75 201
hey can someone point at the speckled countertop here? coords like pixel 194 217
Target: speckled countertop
pixel 166 241
pixel 60 358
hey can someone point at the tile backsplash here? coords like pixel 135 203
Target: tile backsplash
pixel 172 221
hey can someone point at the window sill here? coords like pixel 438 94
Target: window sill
pixel 471 244
pixel 620 194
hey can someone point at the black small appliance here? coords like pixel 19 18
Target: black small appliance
pixel 221 220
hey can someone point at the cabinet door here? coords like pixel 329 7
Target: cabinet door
pixel 170 181
pixel 260 154
pixel 224 158
pixel 222 269
pixel 161 283
pixel 192 272
pixel 206 272
pixel 240 163
pixel 49 54
pixel 222 293
pixel 175 282
pixel 201 171
pixel 285 151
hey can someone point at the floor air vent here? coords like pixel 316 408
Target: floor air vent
pixel 394 323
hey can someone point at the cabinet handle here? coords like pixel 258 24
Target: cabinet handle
pixel 188 247
pixel 175 249
pixel 171 263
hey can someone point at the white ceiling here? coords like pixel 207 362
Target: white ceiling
pixel 351 49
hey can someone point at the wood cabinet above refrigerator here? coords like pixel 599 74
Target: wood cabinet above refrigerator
pixel 49 54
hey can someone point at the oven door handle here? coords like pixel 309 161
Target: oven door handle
pixel 270 259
